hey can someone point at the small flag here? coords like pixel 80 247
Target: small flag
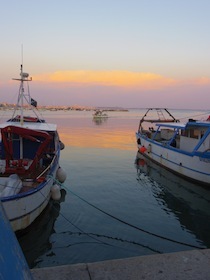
pixel 33 102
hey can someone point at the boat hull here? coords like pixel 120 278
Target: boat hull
pixel 23 209
pixel 184 165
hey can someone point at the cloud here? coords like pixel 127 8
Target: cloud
pixel 124 79
pixel 202 81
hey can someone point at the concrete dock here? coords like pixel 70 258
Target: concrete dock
pixel 186 265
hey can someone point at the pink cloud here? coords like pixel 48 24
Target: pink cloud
pixel 108 78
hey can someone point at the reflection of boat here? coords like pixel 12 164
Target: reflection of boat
pixel 181 148
pixel 29 162
pixel 188 201
pixel 99 114
pixel 42 228
pixel 99 121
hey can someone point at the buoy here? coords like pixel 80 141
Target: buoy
pixel 141 162
pixel 55 192
pixel 142 149
pixel 61 175
pixel 62 146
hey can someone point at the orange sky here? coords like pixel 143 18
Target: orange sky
pixel 115 89
pixel 109 53
pixel 117 78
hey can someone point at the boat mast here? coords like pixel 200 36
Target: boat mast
pixel 21 93
pixel 24 77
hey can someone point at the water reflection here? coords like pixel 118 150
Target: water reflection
pixel 99 121
pixel 36 239
pixel 188 201
pixel 112 134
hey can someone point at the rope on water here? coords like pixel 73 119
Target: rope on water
pixel 111 238
pixel 130 225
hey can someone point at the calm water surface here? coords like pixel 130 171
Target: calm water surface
pixel 112 206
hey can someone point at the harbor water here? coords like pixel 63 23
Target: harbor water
pixel 114 206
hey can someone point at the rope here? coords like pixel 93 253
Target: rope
pixel 81 231
pixel 131 225
pixel 194 116
pixel 113 238
pixel 92 235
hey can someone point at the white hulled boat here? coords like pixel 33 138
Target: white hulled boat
pixel 183 148
pixel 29 161
pixel 99 114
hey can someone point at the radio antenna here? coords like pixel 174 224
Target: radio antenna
pixel 22 54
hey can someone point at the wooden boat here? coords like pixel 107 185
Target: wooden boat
pixel 183 148
pixel 29 161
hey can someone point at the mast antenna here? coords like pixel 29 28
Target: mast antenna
pixel 22 53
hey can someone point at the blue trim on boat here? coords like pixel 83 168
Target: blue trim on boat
pixel 202 139
pixel 204 173
pixel 168 147
pixel 171 125
pixel 31 191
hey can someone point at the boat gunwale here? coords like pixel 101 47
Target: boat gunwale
pixel 202 183
pixel 39 187
pixel 30 125
pixel 169 147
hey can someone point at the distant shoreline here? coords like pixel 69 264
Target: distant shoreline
pixel 5 106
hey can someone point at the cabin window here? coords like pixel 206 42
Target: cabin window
pixel 202 133
pixel 184 133
pixel 192 133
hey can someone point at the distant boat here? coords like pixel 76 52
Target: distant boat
pixel 99 114
pixel 183 148
pixel 29 161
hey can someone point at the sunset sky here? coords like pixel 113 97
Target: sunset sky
pixel 125 53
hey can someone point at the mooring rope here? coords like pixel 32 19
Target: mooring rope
pixel 111 238
pixel 129 224
pixel 194 116
pixel 94 235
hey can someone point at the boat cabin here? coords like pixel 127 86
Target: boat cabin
pixel 22 150
pixel 193 136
